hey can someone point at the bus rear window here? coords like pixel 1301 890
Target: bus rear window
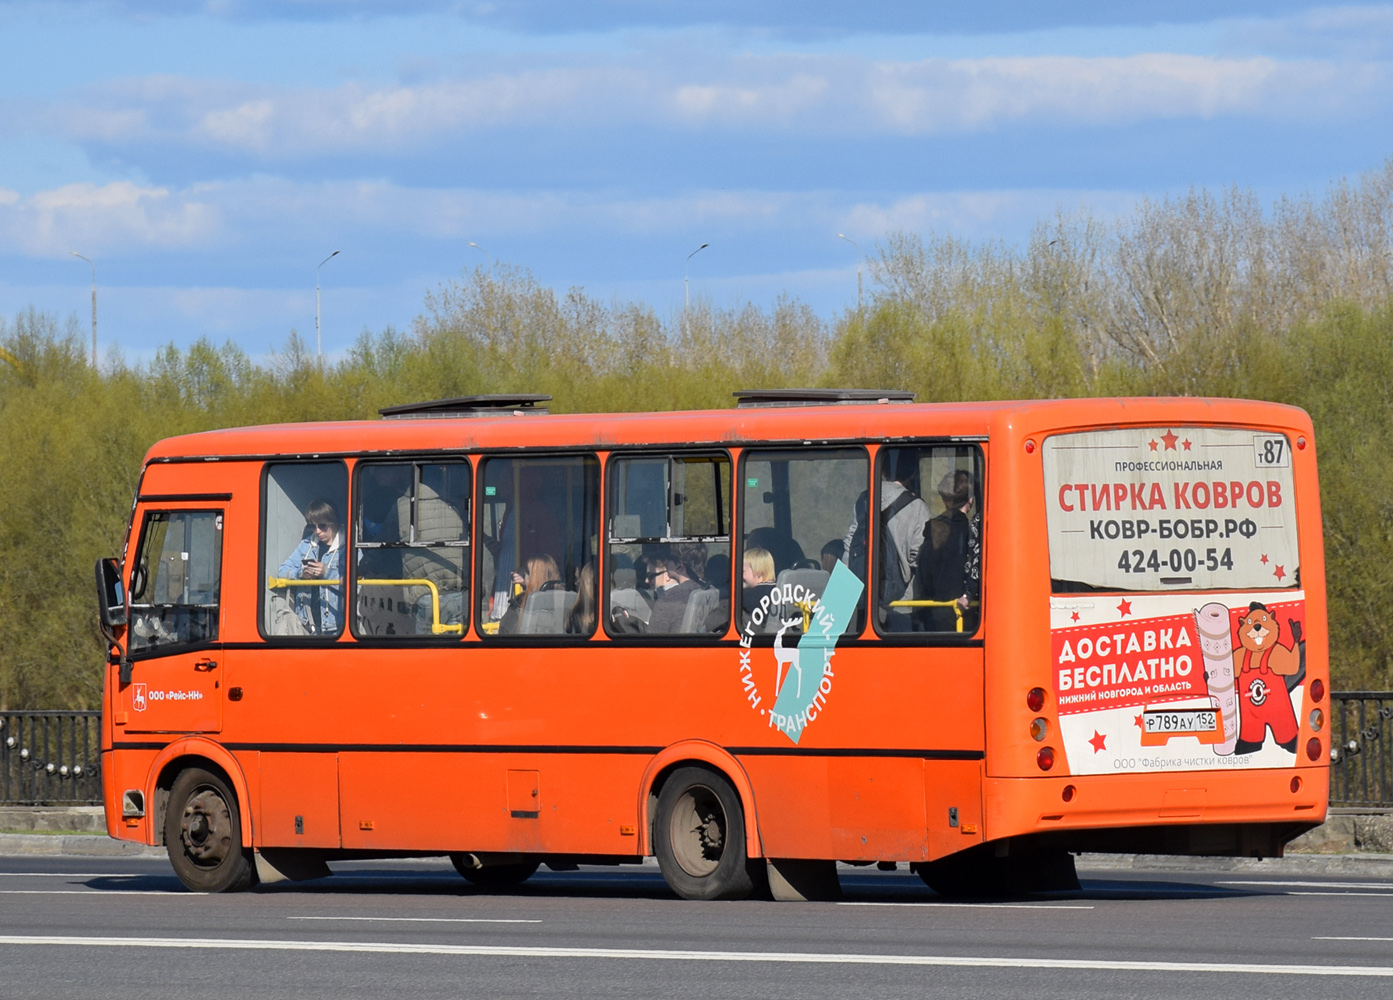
pixel 1170 508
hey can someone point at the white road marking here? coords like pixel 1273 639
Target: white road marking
pixel 1319 885
pixel 426 920
pixel 83 874
pixel 1351 939
pixel 1347 893
pixel 100 892
pixel 981 906
pixel 663 955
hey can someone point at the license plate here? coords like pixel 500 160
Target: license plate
pixel 1202 720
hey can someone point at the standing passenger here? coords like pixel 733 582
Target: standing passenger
pixel 319 556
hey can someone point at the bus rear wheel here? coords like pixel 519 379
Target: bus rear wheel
pixel 699 837
pixel 203 834
pixel 494 877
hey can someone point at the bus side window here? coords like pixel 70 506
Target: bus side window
pixel 304 554
pixel 539 533
pixel 668 555
pixel 411 544
pixel 177 581
pixel 928 557
pixel 798 509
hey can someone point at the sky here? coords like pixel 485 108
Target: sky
pixel 206 156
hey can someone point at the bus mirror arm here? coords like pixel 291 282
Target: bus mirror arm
pixel 111 613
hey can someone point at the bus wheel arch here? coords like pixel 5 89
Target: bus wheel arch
pixel 696 753
pixel 196 753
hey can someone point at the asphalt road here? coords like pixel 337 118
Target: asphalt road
pixel 124 927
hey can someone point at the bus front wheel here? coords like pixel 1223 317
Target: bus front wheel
pixel 699 837
pixel 203 834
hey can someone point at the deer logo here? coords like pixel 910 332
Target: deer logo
pixel 786 657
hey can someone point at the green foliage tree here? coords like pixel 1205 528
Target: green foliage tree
pixel 1205 294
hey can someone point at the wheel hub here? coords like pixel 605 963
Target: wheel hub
pixel 206 828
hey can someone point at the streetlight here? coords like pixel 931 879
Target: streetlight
pixel 859 258
pixel 687 285
pixel 482 251
pixel 94 308
pixel 318 342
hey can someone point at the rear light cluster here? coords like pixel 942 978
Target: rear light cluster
pixel 1040 728
pixel 1316 718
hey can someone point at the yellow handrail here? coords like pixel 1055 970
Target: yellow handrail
pixel 279 582
pixel 957 608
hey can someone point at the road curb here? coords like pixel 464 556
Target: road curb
pixel 72 845
pixel 1351 865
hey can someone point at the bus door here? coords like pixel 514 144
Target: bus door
pixel 175 587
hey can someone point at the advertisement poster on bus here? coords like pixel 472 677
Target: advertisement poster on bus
pixel 1196 659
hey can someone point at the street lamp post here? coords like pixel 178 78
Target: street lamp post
pixel 482 251
pixel 318 340
pixel 859 258
pixel 94 307
pixel 687 285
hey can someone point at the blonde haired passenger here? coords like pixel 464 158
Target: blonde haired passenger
pixel 758 577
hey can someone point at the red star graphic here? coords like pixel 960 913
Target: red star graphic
pixel 1187 442
pixel 1264 560
pixel 1125 608
pixel 1279 572
pixel 1170 438
pixel 1099 741
pixel 1153 444
pixel 1138 722
pixel 1075 616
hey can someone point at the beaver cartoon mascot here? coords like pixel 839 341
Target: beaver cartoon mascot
pixel 1261 667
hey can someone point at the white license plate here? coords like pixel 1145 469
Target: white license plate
pixel 1197 721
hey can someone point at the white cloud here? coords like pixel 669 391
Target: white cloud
pixel 941 95
pixel 103 217
pixel 808 95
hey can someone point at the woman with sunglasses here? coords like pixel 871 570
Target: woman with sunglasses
pixel 318 557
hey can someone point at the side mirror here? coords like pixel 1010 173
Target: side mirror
pixel 111 596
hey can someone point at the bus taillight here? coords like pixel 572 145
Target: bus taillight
pixel 1317 689
pixel 1039 729
pixel 1035 699
pixel 1045 758
pixel 1312 749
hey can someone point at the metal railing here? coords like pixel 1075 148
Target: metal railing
pixel 1361 748
pixel 50 758
pixel 53 758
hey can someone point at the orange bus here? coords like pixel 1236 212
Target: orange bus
pixel 820 626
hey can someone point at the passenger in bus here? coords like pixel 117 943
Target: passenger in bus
pixel 581 620
pixel 717 573
pixel 676 575
pixel 319 556
pixel 903 516
pixel 758 574
pixel 832 554
pixel 785 549
pixel 540 573
pixel 946 559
